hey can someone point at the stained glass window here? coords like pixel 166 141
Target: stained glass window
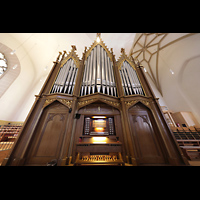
pixel 3 64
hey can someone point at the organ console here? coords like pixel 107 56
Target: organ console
pixel 98 143
pixel 99 125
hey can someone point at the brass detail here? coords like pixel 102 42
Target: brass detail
pixel 63 101
pixel 84 103
pixel 130 103
pixel 122 58
pixel 66 102
pixel 72 54
pixel 48 101
pixel 112 103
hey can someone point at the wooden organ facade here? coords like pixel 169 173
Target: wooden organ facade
pixel 95 111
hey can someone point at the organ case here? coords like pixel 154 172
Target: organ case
pixel 133 131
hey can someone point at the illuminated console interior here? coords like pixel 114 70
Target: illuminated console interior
pixel 98 143
pixel 99 125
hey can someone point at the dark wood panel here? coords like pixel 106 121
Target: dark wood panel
pixel 145 134
pixel 48 134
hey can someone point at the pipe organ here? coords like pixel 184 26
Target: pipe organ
pixel 95 111
pixel 130 81
pixel 98 73
pixel 66 78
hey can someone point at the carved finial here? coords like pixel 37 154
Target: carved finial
pixel 99 35
pixel 73 48
pixel 122 50
pixel 64 52
pixel 98 39
pixel 60 53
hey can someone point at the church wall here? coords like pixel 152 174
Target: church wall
pixel 16 95
pixel 181 90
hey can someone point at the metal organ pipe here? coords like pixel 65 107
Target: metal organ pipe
pixel 130 80
pixel 66 78
pixel 98 73
pixel 103 71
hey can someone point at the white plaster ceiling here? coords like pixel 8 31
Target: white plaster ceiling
pixel 36 53
pixel 43 48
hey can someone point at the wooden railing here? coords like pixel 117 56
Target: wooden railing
pixel 8 134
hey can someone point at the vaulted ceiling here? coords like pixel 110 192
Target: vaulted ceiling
pixel 171 62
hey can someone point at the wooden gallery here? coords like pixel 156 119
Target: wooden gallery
pixel 95 111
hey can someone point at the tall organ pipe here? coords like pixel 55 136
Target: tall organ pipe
pixel 98 74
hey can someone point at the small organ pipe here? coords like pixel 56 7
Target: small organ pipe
pixel 127 78
pixel 66 75
pixel 122 81
pixel 131 77
pixel 130 80
pixel 71 78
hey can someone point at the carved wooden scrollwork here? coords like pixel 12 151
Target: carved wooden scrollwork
pixel 63 101
pixel 131 103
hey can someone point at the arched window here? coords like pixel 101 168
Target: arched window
pixel 3 64
pixel 10 68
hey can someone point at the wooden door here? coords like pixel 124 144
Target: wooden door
pixel 48 135
pixel 149 147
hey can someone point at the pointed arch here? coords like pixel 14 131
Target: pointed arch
pixel 116 104
pixel 98 73
pixel 129 78
pixel 66 77
pixel 64 102
pixel 130 104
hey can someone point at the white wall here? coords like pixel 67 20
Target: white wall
pixel 15 96
pixel 181 91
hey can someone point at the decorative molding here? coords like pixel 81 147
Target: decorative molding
pixel 85 103
pixel 122 58
pixel 131 103
pixel 66 102
pixel 63 101
pixel 48 101
pixel 89 101
pixel 95 43
pixel 72 54
pixel 112 103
